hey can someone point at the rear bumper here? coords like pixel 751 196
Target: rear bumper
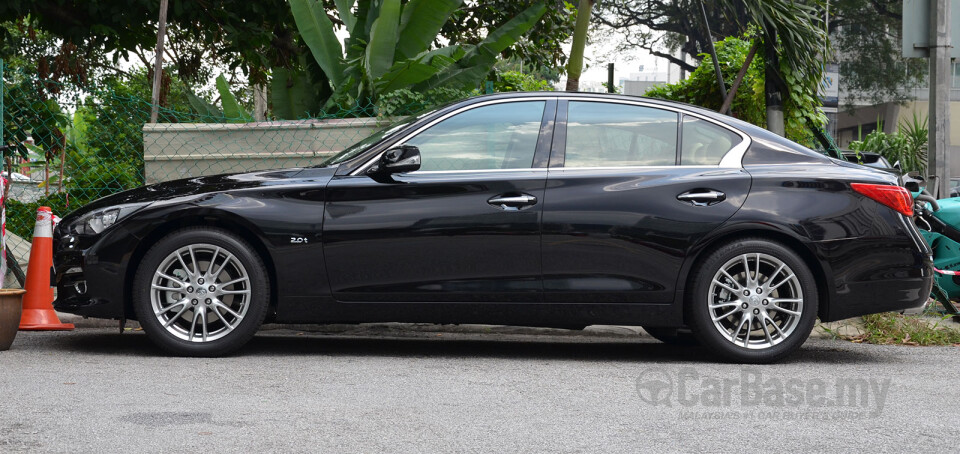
pixel 877 274
pixel 864 298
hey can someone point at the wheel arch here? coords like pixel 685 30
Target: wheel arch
pixel 794 243
pixel 220 219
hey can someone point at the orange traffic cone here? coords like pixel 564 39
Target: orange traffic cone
pixel 38 313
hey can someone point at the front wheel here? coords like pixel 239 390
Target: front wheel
pixel 201 292
pixel 752 301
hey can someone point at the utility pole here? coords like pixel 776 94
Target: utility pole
pixel 939 138
pixel 610 88
pixel 158 64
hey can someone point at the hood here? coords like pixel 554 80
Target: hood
pixel 198 186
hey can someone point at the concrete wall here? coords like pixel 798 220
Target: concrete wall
pixel 184 150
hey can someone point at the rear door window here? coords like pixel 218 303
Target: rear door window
pixel 705 143
pixel 619 135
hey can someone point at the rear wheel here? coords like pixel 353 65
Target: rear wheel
pixel 752 301
pixel 201 292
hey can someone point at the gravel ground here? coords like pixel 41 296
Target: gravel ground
pixel 94 390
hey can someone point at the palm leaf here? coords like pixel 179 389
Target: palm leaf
pixel 343 9
pixel 416 70
pixel 421 22
pixel 202 107
pixel 479 59
pixel 317 31
pixel 383 40
pixel 291 94
pixel 231 108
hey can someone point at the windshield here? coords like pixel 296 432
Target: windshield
pixel 356 149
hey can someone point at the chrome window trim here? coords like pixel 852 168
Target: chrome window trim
pixel 431 172
pixel 705 167
pixel 733 159
pixel 565 169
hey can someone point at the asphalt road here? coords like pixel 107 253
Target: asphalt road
pixel 93 390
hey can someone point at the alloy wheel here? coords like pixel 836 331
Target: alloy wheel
pixel 755 301
pixel 200 292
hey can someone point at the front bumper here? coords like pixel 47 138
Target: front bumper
pixel 86 284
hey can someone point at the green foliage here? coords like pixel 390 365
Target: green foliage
pixel 202 107
pixel 908 145
pixel 406 102
pixel 250 35
pixel 867 35
pixel 678 25
pixel 544 46
pixel 516 81
pixel 893 328
pixel 701 89
pixel 231 108
pixel 801 103
pixel 389 47
pixel 29 112
pixel 21 217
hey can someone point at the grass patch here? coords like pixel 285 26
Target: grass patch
pixel 891 328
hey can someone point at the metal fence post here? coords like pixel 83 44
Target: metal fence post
pixel 2 112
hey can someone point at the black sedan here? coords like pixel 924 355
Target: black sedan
pixel 538 209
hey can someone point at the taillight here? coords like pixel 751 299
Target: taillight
pixel 896 197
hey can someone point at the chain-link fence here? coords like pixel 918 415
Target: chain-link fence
pixel 71 143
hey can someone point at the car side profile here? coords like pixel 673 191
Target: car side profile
pixel 536 209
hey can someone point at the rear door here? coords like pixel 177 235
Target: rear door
pixel 630 188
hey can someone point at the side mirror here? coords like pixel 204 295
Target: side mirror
pixel 912 186
pixel 404 158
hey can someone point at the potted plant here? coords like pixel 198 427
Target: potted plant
pixel 10 310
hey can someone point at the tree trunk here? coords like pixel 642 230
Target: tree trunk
pixel 773 96
pixel 260 102
pixel 575 64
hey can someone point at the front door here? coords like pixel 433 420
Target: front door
pixel 464 228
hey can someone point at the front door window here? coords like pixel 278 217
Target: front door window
pixel 496 136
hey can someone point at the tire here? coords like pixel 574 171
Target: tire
pixel 174 299
pixel 786 303
pixel 673 336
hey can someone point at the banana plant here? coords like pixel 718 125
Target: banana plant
pixel 389 46
pixel 232 111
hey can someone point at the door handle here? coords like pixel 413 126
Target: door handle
pixel 513 201
pixel 702 197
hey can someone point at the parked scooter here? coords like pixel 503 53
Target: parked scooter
pixel 939 224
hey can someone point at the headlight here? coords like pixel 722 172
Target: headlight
pixel 100 220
